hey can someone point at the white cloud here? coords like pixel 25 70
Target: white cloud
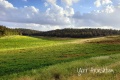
pixel 31 26
pixel 109 9
pixel 59 14
pixel 51 1
pixel 6 4
pixel 69 2
pixel 99 3
pixel 107 17
pixel 69 11
pixel 56 16
pixel 106 2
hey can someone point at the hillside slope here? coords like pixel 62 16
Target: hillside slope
pixel 43 58
pixel 79 33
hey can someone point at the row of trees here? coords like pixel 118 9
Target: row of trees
pixel 79 33
pixel 27 32
pixel 4 31
pixel 73 33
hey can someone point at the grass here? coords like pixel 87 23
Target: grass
pixel 41 58
pixel 22 42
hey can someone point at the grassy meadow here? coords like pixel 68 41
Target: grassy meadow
pixel 45 58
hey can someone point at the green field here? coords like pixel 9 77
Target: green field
pixel 45 58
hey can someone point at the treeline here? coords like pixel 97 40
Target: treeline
pixel 79 33
pixel 27 32
pixel 4 31
pixel 69 32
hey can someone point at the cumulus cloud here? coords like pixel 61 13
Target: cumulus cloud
pixel 51 1
pixel 56 17
pixel 5 4
pixel 69 2
pixel 32 26
pixel 99 3
pixel 105 17
pixel 109 9
pixel 106 2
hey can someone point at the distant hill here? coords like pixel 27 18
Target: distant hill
pixel 28 32
pixel 4 31
pixel 68 32
pixel 79 33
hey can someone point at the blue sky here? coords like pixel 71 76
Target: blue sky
pixel 57 14
pixel 81 6
pixel 21 3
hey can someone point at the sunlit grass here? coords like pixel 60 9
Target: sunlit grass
pixel 40 58
pixel 23 42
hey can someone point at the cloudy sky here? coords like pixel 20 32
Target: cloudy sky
pixel 57 14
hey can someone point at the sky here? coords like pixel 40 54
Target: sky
pixel 47 15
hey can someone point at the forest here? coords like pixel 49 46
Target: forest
pixel 4 31
pixel 79 33
pixel 67 32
